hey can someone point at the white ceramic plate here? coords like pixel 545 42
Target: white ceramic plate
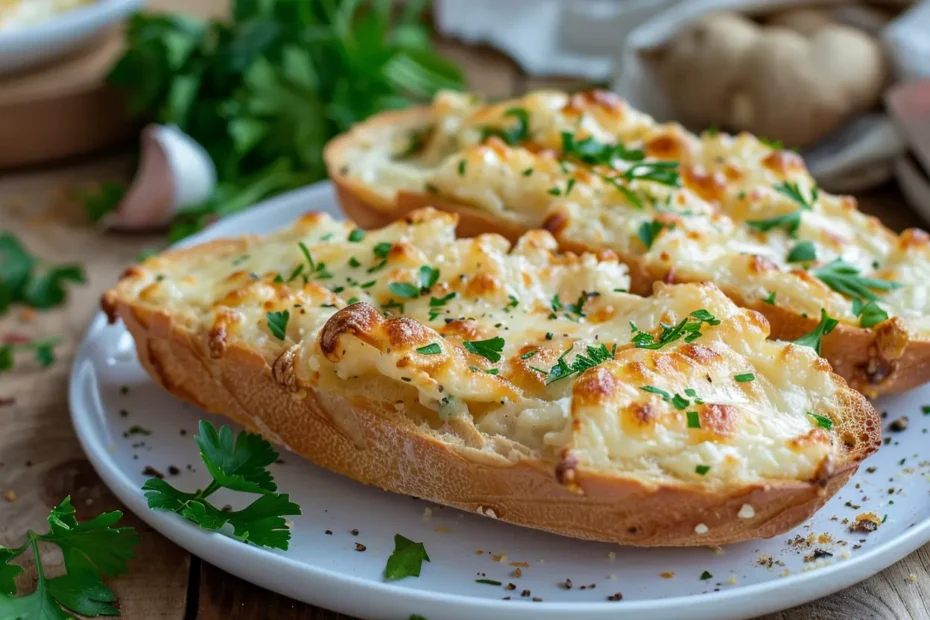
pixel 326 570
pixel 30 45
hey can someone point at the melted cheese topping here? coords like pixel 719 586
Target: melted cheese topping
pixel 403 306
pixel 726 182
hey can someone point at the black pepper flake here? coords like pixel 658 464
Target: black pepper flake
pixel 123 413
pixel 898 424
pixel 511 586
pixel 124 389
pixel 536 599
pixel 328 532
pixel 151 471
pixel 870 470
pixel 568 584
pixel 173 471
pixel 525 593
pixel 360 547
pixel 616 596
pixel 354 532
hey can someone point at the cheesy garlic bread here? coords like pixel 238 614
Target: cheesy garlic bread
pixel 675 207
pixel 519 382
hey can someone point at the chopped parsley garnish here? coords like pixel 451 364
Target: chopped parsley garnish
pixel 430 349
pixel 462 167
pixel 393 305
pixel 26 279
pixel 381 250
pixel 870 314
pixel 845 279
pixel 527 172
pixel 654 390
pixel 813 339
pixel 822 421
pixel 406 560
pixel 792 191
pixel 43 351
pixel 689 328
pixel 664 172
pixel 591 151
pixel 352 300
pixel 694 419
pixel 417 140
pixel 489 582
pixel 802 252
pixel 91 550
pixel 356 235
pixel 678 401
pixel 514 135
pixel 595 355
pixel 438 302
pixel 316 271
pixel 569 186
pixel 529 354
pixel 925 409
pixel 404 290
pixel 428 276
pixel 649 230
pixel 700 470
pixel 770 300
pixel 513 303
pixel 277 323
pixel 354 263
pixel 789 221
pixel 237 463
pixel 772 144
pixel 489 349
pixel 705 576
pixel 745 378
pixel 554 191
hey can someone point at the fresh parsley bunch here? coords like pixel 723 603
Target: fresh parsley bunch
pixel 265 89
pixel 26 279
pixel 89 549
pixel 238 464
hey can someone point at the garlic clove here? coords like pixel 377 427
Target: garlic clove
pixel 174 171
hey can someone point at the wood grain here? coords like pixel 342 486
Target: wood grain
pixel 41 461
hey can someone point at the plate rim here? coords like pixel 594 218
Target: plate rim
pixel 754 599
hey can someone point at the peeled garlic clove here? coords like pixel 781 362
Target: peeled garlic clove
pixel 174 171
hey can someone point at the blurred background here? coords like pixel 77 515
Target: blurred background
pixel 225 103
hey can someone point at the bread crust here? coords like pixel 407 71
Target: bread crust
pixel 880 360
pixel 372 443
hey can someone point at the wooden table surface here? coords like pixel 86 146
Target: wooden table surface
pixel 41 461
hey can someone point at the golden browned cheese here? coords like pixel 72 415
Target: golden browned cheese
pixel 519 351
pixel 721 224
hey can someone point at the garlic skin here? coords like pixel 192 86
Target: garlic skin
pixel 174 171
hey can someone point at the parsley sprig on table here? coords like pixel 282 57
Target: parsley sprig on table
pixel 238 464
pixel 265 89
pixel 43 350
pixel 26 279
pixel 91 550
pixel 406 560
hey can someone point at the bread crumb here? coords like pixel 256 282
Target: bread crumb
pixel 786 572
pixel 612 577
pixel 611 556
pixel 700 529
pixel 746 512
pixel 427 513
pixel 520 564
pixel 667 575
pixel 442 529
pixel 502 558
pixel 716 549
pixel 912 578
pixel 846 555
pixel 10 496
pixel 517 572
pixel 732 580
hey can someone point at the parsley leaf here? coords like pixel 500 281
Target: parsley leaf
pixel 870 314
pixel 277 323
pixel 792 191
pixel 514 135
pixel 770 300
pixel 42 349
pixel 356 235
pixel 813 339
pixel 91 550
pixel 595 356
pixel 649 230
pixel 404 290
pixel 238 465
pixel 789 221
pixel 744 378
pixel 430 349
pixel 845 279
pixel 489 349
pixel 428 276
pixel 28 280
pixel 689 328
pixel 664 172
pixel 694 419
pixel 802 252
pixel 591 151
pixel 822 421
pixel 406 560
pixel 701 470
